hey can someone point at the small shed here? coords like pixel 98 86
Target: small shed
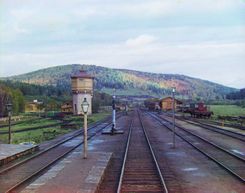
pixel 67 107
pixel 167 103
pixel 152 104
pixel 31 107
pixel 34 107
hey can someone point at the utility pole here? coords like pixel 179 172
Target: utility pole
pixel 113 128
pixel 173 108
pixel 9 109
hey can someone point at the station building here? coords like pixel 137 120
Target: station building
pixel 66 107
pixel 166 104
pixel 34 107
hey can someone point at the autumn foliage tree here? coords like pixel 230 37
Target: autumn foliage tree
pixel 10 95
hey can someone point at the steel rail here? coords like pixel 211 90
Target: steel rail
pixel 203 139
pixel 32 128
pixel 236 126
pixel 203 152
pixel 54 161
pixel 18 122
pixel 213 128
pixel 153 155
pixel 125 158
pixel 79 132
pixel 216 129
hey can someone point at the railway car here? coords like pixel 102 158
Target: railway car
pixel 152 104
pixel 199 110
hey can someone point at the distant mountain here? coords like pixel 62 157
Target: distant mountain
pixel 128 82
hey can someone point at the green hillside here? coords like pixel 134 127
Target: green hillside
pixel 128 82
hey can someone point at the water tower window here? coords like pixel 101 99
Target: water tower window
pixel 75 107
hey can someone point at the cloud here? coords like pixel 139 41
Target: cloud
pixel 212 61
pixel 87 13
pixel 140 41
pixel 21 14
pixel 193 37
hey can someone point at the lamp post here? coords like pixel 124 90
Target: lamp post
pixel 85 106
pixel 9 109
pixel 173 108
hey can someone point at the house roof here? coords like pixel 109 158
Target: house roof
pixel 82 74
pixel 178 101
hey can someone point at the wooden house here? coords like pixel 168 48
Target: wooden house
pixel 152 104
pixel 66 107
pixel 167 103
pixel 34 107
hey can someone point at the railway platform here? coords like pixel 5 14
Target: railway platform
pixel 10 152
pixel 73 174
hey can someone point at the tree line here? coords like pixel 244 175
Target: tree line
pixel 51 97
pixel 236 95
pixel 13 96
pixel 16 93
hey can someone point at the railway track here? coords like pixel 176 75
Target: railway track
pixel 5 123
pixel 24 171
pixel 236 126
pixel 229 161
pixel 216 129
pixel 140 170
pixel 18 122
pixel 210 127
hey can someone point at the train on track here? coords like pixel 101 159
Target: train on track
pixel 198 110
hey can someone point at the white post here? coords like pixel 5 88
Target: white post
pixel 113 115
pixel 85 143
pixel 173 118
pixel 10 137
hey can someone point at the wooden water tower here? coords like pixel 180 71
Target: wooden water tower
pixel 82 87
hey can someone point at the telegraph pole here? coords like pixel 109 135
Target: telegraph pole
pixel 113 128
pixel 9 109
pixel 173 108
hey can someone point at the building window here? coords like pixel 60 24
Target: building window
pixel 75 107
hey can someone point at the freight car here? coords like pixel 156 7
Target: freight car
pixel 199 110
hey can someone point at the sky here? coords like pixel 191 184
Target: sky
pixel 202 39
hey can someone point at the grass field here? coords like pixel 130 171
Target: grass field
pixel 31 123
pixel 45 134
pixel 78 120
pixel 227 110
pixel 36 136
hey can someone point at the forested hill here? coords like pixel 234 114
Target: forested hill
pixel 127 82
pixel 239 95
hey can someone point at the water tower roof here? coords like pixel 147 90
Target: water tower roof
pixel 82 74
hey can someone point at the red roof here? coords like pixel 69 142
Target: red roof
pixel 82 74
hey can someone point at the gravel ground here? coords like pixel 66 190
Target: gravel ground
pixel 191 171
